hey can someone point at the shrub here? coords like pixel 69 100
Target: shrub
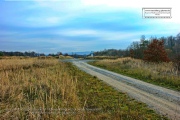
pixel 156 52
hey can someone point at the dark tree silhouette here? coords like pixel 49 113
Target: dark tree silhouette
pixel 176 59
pixel 156 52
pixel 1 54
pixel 131 53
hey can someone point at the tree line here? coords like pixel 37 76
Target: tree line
pixel 30 54
pixel 153 49
pixel 170 44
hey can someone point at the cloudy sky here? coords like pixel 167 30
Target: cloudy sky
pixel 49 26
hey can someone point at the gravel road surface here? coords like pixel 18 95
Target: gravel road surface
pixel 162 100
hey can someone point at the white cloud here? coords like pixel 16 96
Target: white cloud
pixel 78 7
pixel 137 5
pixel 76 32
pixel 53 20
pixel 44 21
pixel 63 11
pixel 130 3
pixel 59 5
pixel 115 35
pixel 102 35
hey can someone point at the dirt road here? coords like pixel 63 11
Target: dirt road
pixel 163 101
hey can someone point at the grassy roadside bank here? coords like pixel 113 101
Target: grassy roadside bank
pixel 48 89
pixel 162 74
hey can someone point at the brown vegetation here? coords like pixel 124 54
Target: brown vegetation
pixel 47 89
pixel 156 52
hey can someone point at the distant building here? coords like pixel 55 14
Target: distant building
pixel 92 54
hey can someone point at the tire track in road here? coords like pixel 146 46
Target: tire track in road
pixel 162 100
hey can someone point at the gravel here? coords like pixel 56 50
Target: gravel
pixel 163 101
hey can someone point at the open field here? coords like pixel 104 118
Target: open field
pixel 162 74
pixel 48 89
pixel 102 57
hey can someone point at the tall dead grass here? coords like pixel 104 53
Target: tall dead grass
pixel 165 74
pixel 161 68
pixel 32 87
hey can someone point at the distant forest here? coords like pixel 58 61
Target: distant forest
pixel 136 49
pixel 30 54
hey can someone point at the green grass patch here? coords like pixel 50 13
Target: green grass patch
pixel 124 68
pixel 95 94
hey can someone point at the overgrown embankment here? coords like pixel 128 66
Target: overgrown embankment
pixel 162 74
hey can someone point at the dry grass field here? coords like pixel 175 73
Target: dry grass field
pixel 32 88
pixel 102 57
pixel 163 74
